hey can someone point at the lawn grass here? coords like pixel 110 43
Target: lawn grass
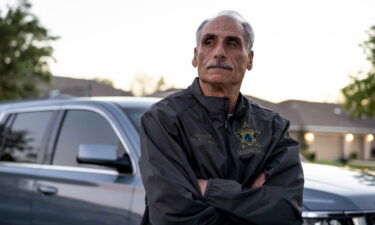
pixel 351 165
pixel 362 167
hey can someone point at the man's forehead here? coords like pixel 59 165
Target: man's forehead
pixel 223 26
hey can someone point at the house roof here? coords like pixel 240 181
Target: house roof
pixel 81 88
pixel 318 116
pixel 304 113
pixel 309 115
pixel 165 93
pixel 263 103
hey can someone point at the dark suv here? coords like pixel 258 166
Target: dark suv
pixel 74 161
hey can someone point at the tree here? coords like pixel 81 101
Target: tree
pixel 105 81
pixel 161 85
pixel 144 84
pixel 24 52
pixel 360 94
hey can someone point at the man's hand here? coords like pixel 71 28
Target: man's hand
pixel 259 181
pixel 202 185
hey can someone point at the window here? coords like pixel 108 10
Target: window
pixel 83 127
pixel 22 136
pixel 135 115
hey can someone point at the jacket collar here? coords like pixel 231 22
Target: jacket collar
pixel 218 105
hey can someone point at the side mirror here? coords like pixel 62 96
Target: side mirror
pixel 105 155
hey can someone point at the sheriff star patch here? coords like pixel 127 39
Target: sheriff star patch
pixel 248 138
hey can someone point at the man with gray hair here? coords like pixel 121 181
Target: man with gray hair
pixel 211 156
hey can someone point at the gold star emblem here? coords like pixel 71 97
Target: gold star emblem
pixel 248 137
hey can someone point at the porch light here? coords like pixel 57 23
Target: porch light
pixel 349 137
pixel 370 138
pixel 309 137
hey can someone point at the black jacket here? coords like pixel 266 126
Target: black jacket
pixel 189 136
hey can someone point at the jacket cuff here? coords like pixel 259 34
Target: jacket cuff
pixel 221 190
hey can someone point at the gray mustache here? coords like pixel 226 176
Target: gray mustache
pixel 219 64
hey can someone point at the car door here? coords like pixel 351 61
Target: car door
pixel 71 192
pixel 22 137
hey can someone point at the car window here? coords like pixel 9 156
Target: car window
pixel 22 136
pixel 135 115
pixel 83 127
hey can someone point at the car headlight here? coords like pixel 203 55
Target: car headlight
pixel 324 218
pixel 321 222
pixel 366 217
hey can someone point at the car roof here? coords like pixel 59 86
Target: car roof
pixel 121 101
pixel 128 101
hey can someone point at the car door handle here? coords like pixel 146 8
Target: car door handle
pixel 47 190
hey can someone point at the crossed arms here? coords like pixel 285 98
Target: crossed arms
pixel 257 183
pixel 176 196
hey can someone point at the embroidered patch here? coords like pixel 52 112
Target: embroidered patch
pixel 248 138
pixel 203 138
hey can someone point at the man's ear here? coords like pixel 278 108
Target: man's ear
pixel 250 62
pixel 194 62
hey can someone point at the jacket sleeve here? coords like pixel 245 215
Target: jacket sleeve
pixel 278 201
pixel 171 187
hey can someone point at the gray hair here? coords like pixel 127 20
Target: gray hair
pixel 249 33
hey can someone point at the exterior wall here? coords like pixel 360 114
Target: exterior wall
pixel 330 146
pixel 326 146
pixel 369 150
pixel 357 146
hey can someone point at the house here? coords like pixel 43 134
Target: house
pixel 328 130
pixel 324 128
pixel 80 88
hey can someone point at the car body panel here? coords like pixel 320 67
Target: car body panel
pixel 83 197
pixel 344 189
pixel 17 185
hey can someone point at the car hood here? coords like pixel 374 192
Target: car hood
pixel 335 188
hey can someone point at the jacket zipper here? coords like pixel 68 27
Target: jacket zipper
pixel 227 121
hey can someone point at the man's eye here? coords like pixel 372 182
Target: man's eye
pixel 208 42
pixel 232 43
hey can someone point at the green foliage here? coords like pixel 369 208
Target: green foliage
pixel 24 52
pixel 347 165
pixel 145 84
pixel 310 156
pixel 360 97
pixel 301 139
pixel 104 81
pixel 360 94
pixel 353 155
pixel 160 85
pixel 369 46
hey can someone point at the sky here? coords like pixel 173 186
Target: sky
pixel 304 49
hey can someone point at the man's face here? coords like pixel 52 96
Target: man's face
pixel 221 57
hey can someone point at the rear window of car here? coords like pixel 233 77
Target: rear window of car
pixel 22 135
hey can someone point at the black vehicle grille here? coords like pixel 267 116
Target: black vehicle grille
pixel 370 218
pixel 366 217
pixel 359 217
